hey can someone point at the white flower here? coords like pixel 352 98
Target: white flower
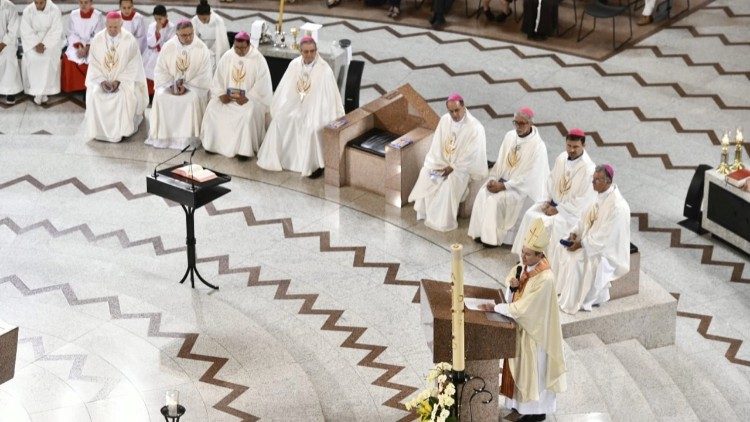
pixel 448 401
pixel 432 374
pixel 434 412
pixel 442 378
pixel 450 389
pixel 444 366
pixel 423 395
pixel 443 415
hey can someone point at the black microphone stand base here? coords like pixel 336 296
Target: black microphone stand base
pixel 192 270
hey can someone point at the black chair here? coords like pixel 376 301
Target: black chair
pixel 598 10
pixel 575 20
pixel 353 85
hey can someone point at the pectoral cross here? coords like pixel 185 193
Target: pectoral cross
pixel 513 156
pixel 450 145
pixel 303 85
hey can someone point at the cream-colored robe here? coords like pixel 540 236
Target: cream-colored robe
pixel 294 140
pixel 176 119
pixel 538 335
pixel 82 31
pixel 462 146
pixel 231 129
pixel 10 72
pixel 585 274
pixel 41 72
pixel 522 163
pixel 136 25
pixel 214 35
pixel 111 116
pixel 569 186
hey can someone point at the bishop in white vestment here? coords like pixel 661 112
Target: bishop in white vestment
pixel 134 23
pixel 116 85
pixel 306 99
pixel 235 119
pixel 182 79
pixel 599 250
pixel 41 37
pixel 516 181
pixel 10 72
pixel 569 193
pixel 210 28
pixel 532 379
pixel 457 155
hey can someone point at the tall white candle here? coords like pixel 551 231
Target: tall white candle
pixel 457 306
pixel 173 399
pixel 280 23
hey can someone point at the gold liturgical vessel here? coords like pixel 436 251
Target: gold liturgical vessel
pixel 738 139
pixel 724 165
pixel 294 31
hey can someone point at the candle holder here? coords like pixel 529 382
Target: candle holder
pixel 738 139
pixel 173 418
pixel 294 31
pixel 724 164
pixel 462 380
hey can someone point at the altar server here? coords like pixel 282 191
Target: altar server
pixel 133 22
pixel 210 28
pixel 158 33
pixel 83 24
pixel 10 72
pixel 41 38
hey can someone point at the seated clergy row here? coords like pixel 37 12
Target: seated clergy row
pixel 584 211
pixel 227 111
pixel 43 72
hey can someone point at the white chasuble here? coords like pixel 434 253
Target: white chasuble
pixel 155 40
pixel 41 71
pixel 538 369
pixel 585 275
pixel 110 116
pixel 522 165
pixel 306 100
pixel 214 35
pixel 81 31
pixel 463 147
pixel 136 25
pixel 568 186
pixel 175 120
pixel 10 72
pixel 232 129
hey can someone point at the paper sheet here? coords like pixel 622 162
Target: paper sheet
pixel 473 303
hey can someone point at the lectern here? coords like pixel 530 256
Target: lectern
pixel 487 340
pixel 191 195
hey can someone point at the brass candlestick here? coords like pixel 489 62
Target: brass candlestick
pixel 294 31
pixel 738 139
pixel 724 165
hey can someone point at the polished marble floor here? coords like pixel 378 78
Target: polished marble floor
pixel 315 318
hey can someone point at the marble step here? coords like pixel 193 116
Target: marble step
pixel 706 400
pixel 663 395
pixel 621 393
pixel 648 316
pixel 583 396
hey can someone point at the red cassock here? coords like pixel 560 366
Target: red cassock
pixel 72 75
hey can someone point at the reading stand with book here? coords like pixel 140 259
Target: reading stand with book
pixel 191 186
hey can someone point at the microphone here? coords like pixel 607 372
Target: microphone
pixel 518 272
pixel 169 159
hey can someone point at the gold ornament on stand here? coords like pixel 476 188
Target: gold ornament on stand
pixel 724 165
pixel 294 31
pixel 738 139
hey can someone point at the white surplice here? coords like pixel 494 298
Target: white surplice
pixel 111 116
pixel 306 99
pixel 175 120
pixel 214 35
pixel 462 146
pixel 81 31
pixel 568 186
pixel 41 72
pixel 154 45
pixel 10 72
pixel 231 129
pixel 136 25
pixel 585 275
pixel 522 164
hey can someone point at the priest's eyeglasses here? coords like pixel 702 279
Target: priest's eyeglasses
pixel 519 123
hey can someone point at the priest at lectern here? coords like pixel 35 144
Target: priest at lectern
pixel 532 379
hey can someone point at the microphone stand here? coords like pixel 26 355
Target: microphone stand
pixel 192 181
pixel 156 175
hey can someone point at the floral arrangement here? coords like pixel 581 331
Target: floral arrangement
pixel 434 402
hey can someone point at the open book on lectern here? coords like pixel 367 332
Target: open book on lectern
pixel 195 172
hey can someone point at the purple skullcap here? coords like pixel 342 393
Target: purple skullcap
pixel 609 170
pixel 114 15
pixel 527 111
pixel 455 97
pixel 242 36
pixel 577 132
pixel 306 39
